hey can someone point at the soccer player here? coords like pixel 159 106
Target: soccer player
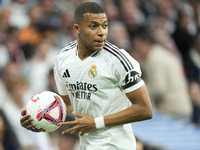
pixel 98 82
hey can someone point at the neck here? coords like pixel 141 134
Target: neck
pixel 83 52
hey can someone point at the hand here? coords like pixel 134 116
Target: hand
pixel 25 120
pixel 84 124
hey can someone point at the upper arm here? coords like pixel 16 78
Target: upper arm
pixel 141 98
pixel 131 82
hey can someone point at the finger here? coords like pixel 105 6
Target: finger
pixel 67 131
pixel 71 130
pixel 69 123
pixel 77 131
pixel 83 131
pixel 27 122
pixel 31 126
pixel 24 118
pixel 23 113
pixel 37 130
pixel 77 115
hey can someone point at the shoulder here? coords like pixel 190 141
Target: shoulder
pixel 120 56
pixel 68 47
pixel 66 52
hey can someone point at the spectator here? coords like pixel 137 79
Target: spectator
pixel 164 39
pixel 19 16
pixel 4 23
pixel 4 57
pixel 183 40
pixel 38 67
pixel 194 90
pixel 51 16
pixel 66 33
pixel 111 10
pixel 148 8
pixel 166 11
pixel 13 46
pixel 164 76
pixel 131 15
pixel 30 36
pixel 194 56
pixel 196 5
pixel 10 72
pixel 119 35
pixel 16 136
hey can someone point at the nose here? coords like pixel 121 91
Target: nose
pixel 102 31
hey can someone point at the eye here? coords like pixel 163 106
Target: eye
pixel 105 26
pixel 93 26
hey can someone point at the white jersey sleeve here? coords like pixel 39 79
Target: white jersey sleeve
pixel 128 69
pixel 59 81
pixel 130 79
pixel 61 86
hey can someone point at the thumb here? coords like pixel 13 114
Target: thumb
pixel 76 115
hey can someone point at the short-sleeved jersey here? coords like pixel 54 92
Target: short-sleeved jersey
pixel 96 87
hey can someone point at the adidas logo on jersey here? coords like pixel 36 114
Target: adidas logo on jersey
pixel 66 74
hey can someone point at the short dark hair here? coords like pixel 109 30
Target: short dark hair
pixel 145 34
pixel 88 7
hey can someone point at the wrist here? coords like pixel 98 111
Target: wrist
pixel 99 122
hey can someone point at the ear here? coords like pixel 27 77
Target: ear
pixel 76 28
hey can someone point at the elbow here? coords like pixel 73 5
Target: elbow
pixel 148 114
pixel 143 114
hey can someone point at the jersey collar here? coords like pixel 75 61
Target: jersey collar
pixel 92 55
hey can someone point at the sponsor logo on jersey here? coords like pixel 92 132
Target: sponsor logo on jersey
pixel 66 74
pixel 82 90
pixel 92 73
pixel 131 79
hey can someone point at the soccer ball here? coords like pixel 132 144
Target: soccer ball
pixel 48 111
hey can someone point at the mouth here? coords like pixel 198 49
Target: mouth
pixel 99 42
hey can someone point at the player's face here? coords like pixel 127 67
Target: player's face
pixel 92 31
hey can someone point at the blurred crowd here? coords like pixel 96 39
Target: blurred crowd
pixel 162 35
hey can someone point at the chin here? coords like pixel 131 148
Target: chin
pixel 98 49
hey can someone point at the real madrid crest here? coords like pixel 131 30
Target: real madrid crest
pixel 92 73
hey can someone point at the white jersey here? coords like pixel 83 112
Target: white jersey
pixel 96 87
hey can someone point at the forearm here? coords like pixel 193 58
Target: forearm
pixel 67 103
pixel 132 114
pixel 140 110
pixel 69 109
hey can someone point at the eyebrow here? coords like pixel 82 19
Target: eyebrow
pixel 98 22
